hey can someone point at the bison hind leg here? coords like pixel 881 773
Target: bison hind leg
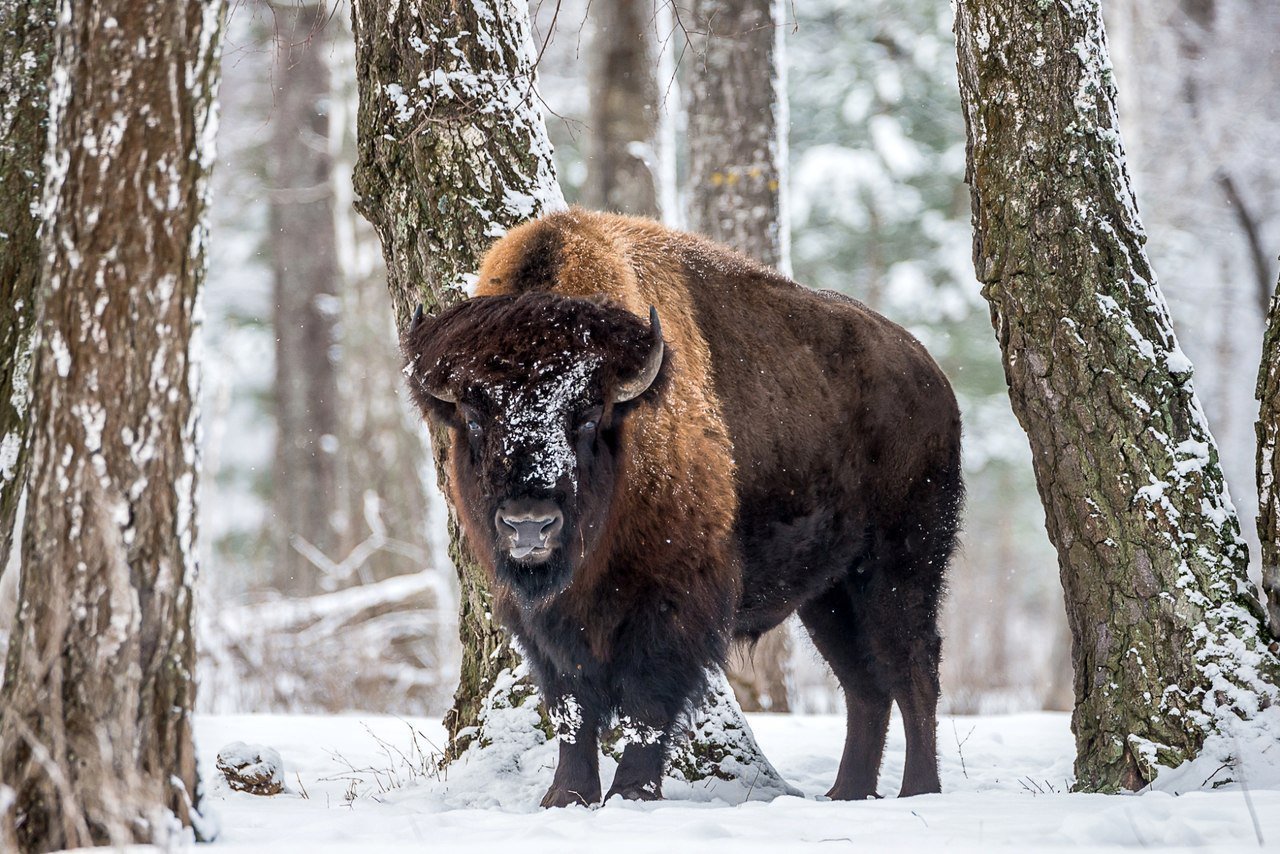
pixel 830 621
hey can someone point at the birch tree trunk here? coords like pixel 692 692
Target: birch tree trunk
pixel 26 51
pixel 1269 463
pixel 308 508
pixel 621 171
pixel 96 731
pixel 737 132
pixel 737 128
pixel 1167 637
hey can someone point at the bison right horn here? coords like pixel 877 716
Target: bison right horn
pixel 638 385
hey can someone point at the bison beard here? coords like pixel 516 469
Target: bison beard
pixel 643 492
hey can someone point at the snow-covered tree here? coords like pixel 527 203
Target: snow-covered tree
pixel 95 736
pixel 26 48
pixel 453 151
pixel 1268 391
pixel 1196 83
pixel 1169 648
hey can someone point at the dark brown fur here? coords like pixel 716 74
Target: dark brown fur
pixel 798 452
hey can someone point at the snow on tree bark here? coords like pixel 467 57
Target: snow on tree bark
pixel 305 493
pixel 26 50
pixel 1168 650
pixel 96 724
pixel 737 123
pixel 621 171
pixel 1269 463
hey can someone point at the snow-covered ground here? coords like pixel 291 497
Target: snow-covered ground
pixel 354 784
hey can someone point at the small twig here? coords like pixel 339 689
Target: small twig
pixel 960 745
pixel 301 787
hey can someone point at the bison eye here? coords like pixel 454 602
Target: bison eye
pixel 587 425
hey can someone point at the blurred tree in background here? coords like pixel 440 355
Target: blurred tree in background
pixel 329 537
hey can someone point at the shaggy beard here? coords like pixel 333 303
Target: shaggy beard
pixel 533 582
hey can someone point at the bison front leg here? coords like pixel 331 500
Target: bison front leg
pixel 577 779
pixel 639 774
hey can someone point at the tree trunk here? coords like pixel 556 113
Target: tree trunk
pixel 621 171
pixel 1269 463
pixel 98 688
pixel 1149 546
pixel 453 152
pixel 446 164
pixel 737 166
pixel 26 51
pixel 737 128
pixel 305 494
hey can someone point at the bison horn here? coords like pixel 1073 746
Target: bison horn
pixel 417 318
pixel 441 395
pixel 637 385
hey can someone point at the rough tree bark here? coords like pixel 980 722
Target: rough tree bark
pixel 305 495
pixel 1269 462
pixel 737 121
pixel 624 109
pixel 737 132
pixel 96 726
pixel 1167 642
pixel 453 152
pixel 26 51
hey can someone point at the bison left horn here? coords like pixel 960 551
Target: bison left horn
pixel 637 385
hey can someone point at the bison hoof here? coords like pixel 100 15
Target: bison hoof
pixel 637 792
pixel 560 796
pixel 839 794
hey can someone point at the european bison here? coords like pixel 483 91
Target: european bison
pixel 658 446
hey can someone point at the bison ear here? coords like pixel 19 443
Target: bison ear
pixel 639 384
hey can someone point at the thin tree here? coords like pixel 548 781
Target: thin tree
pixel 625 114
pixel 304 484
pixel 26 50
pixel 737 120
pixel 737 139
pixel 1269 462
pixel 96 725
pixel 453 151
pixel 1168 644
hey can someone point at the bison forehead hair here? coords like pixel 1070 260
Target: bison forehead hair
pixel 533 361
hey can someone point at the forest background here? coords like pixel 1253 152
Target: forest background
pixel 323 537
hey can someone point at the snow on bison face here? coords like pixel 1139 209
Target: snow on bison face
pixel 535 390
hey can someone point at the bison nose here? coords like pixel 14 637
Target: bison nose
pixel 528 526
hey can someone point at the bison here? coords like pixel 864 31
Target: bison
pixel 659 446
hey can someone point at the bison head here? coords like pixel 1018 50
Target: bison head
pixel 536 390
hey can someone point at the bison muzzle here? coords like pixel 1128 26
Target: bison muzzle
pixel 659 446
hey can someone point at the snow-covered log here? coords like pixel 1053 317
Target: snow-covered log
pixel 283 654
